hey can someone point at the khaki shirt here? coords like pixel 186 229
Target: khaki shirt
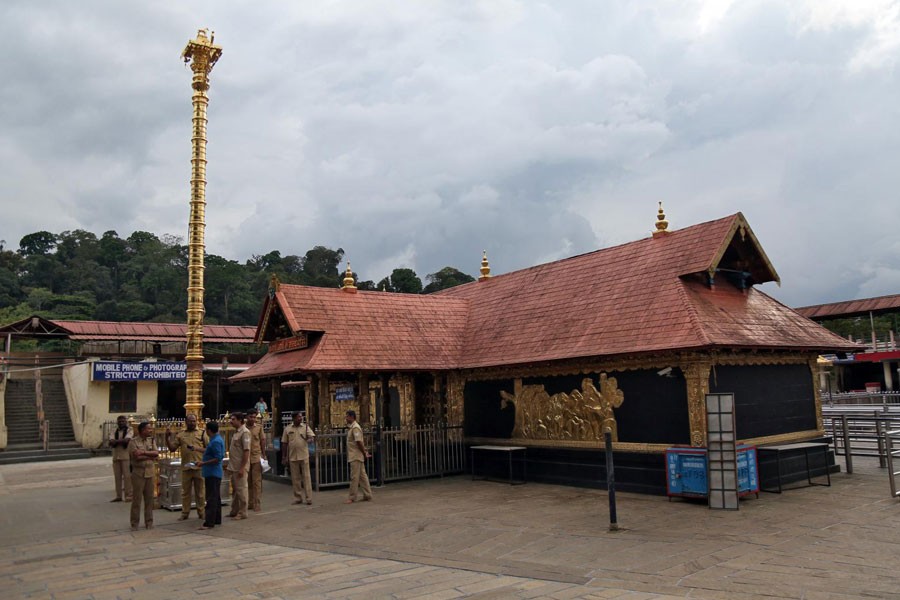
pixel 257 439
pixel 195 438
pixel 240 441
pixel 296 440
pixel 354 434
pixel 142 467
pixel 120 452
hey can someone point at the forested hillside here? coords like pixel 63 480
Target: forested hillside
pixel 77 275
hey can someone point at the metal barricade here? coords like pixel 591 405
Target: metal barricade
pixel 403 453
pixel 891 441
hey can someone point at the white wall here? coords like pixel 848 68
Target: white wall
pixel 90 399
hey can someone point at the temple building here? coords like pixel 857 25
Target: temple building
pixel 630 337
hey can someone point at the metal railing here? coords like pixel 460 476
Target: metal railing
pixel 398 454
pixel 892 440
pixel 861 398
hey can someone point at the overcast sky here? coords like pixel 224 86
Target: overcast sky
pixel 418 134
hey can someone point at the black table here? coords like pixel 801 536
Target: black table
pixel 510 452
pixel 805 447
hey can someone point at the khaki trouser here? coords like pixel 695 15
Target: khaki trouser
pixel 300 479
pixel 122 478
pixel 238 494
pixel 141 490
pixel 192 478
pixel 254 486
pixel 359 478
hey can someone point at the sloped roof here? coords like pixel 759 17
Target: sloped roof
pixel 852 308
pixel 645 296
pixel 157 332
pixel 367 330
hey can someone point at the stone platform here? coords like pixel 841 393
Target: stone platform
pixel 61 538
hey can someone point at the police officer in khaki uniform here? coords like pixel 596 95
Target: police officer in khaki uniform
pixel 295 451
pixel 190 443
pixel 238 465
pixel 356 456
pixel 257 450
pixel 119 440
pixel 143 453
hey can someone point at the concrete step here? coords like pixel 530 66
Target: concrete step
pixel 8 457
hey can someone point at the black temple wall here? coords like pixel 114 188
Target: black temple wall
pixel 769 399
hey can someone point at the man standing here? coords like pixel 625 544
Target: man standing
pixel 238 463
pixel 356 456
pixel 143 453
pixel 190 443
pixel 212 475
pixel 257 450
pixel 118 441
pixel 295 448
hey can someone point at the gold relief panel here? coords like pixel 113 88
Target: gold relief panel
pixel 406 391
pixel 696 375
pixel 580 415
pixel 456 385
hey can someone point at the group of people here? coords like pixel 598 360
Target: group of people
pixel 202 458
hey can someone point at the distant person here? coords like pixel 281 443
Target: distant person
pixel 143 453
pixel 356 456
pixel 257 451
pixel 238 464
pixel 190 443
pixel 295 451
pixel 211 467
pixel 118 441
pixel 261 407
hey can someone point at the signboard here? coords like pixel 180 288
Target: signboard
pixel 686 471
pixel 296 342
pixel 106 370
pixel 344 393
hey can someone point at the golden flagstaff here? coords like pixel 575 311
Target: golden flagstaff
pixel 201 53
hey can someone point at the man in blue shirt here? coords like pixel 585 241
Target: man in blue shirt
pixel 211 469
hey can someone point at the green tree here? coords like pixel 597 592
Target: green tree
pixel 41 242
pixel 447 277
pixel 403 281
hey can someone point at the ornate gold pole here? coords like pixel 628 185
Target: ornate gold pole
pixel 202 55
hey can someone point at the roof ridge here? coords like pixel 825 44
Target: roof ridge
pixel 845 301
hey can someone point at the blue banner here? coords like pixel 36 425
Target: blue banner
pixel 106 370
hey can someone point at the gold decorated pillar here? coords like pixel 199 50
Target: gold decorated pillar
pixel 696 375
pixel 201 54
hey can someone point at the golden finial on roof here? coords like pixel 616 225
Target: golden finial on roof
pixel 348 280
pixel 661 224
pixel 274 285
pixel 485 267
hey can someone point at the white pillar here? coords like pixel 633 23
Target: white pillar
pixel 888 376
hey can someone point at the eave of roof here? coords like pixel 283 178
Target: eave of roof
pixel 851 308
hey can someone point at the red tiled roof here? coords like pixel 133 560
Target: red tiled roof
pixel 154 332
pixel 639 297
pixel 852 308
pixel 366 331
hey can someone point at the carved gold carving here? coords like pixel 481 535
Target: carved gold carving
pixel 406 391
pixel 456 384
pixel 579 415
pixel 696 376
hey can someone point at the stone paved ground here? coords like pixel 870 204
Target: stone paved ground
pixel 61 538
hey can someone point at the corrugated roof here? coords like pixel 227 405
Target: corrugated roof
pixel 154 332
pixel 644 296
pixel 852 308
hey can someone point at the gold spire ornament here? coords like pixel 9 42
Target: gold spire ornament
pixel 662 225
pixel 201 54
pixel 349 286
pixel 485 267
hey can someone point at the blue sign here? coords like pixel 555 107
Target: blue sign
pixel 344 394
pixel 106 370
pixel 686 471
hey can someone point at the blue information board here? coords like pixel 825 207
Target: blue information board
pixel 686 471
